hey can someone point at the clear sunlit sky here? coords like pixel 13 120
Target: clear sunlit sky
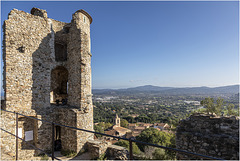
pixel 177 44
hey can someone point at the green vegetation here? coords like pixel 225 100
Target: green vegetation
pixel 43 156
pixel 218 107
pixel 68 153
pixel 164 111
pixel 208 103
pixel 230 110
pixel 101 127
pixel 150 106
pixel 159 154
pixel 154 136
pixel 124 123
pixel 125 144
pixel 102 157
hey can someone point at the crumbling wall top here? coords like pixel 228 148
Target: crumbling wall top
pixel 39 12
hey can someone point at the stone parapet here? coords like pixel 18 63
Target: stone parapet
pixel 99 148
pixel 115 152
pixel 209 135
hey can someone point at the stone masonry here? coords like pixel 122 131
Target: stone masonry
pixel 98 148
pixel 47 75
pixel 209 135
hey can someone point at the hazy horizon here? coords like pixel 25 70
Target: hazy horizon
pixel 158 86
pixel 170 86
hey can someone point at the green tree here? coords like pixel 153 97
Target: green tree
pixel 209 104
pixel 171 155
pixel 230 108
pixel 107 125
pixel 152 135
pixel 162 154
pixel 159 154
pixel 212 107
pixel 101 127
pixel 130 119
pixel 125 143
pixel 219 106
pixel 98 128
pixel 124 123
pixel 102 124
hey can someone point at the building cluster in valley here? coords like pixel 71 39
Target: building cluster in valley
pixel 133 130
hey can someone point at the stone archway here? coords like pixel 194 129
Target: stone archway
pixel 59 84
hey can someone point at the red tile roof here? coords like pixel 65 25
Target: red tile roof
pixel 111 132
pixel 131 124
pixel 121 129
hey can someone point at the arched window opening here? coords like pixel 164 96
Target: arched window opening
pixel 59 83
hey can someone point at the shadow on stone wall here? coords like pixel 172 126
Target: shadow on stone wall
pixel 41 69
pixel 43 64
pixel 27 125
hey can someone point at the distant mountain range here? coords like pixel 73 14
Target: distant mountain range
pixel 149 89
pixel 233 89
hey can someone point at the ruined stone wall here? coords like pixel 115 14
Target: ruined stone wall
pixel 111 152
pixel 27 64
pixel 65 116
pixel 33 47
pixel 212 136
pixel 29 59
pixel 26 40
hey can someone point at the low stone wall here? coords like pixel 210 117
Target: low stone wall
pixel 115 152
pixel 112 152
pixel 8 141
pixel 96 148
pixel 209 135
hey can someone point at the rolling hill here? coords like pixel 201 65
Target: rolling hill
pixel 233 89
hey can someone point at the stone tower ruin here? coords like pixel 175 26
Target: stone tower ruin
pixel 47 75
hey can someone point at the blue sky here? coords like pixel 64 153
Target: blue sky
pixel 178 44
